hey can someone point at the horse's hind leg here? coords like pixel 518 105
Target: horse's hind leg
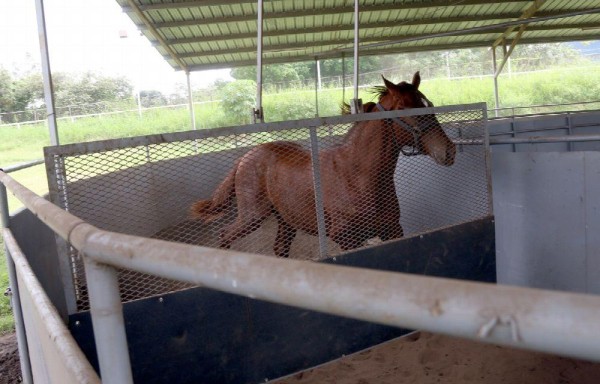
pixel 285 236
pixel 252 211
pixel 238 229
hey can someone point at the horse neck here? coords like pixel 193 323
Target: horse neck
pixel 371 145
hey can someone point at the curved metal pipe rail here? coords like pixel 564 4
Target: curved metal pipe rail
pixel 556 322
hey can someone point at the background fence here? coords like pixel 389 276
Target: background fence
pixel 475 69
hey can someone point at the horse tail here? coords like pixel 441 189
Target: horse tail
pixel 215 207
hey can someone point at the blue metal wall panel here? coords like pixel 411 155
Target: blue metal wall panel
pixel 546 206
pixel 592 221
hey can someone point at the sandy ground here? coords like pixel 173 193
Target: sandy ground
pixel 419 358
pixel 429 358
pixel 10 370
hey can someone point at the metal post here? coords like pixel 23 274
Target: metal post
pixel 46 72
pixel 139 102
pixel 15 297
pixel 108 323
pixel 496 95
pixel 356 104
pixel 191 101
pixel 569 131
pixel 316 168
pixel 317 86
pixel 258 111
pixel 343 77
pixel 318 73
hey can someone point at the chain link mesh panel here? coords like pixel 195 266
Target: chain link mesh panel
pixel 147 189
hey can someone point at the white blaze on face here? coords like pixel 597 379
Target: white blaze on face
pixel 425 102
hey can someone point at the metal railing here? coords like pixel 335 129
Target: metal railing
pixel 12 277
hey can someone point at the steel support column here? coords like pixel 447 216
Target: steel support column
pixel 496 95
pixel 319 205
pixel 528 13
pixel 108 323
pixel 191 100
pixel 356 103
pixel 258 115
pixel 46 72
pixel 317 85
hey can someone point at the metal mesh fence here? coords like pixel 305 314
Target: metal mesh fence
pixel 367 189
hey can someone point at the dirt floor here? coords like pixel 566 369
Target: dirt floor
pixel 428 358
pixel 10 370
pixel 419 358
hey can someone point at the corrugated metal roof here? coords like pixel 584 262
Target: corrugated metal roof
pixel 208 34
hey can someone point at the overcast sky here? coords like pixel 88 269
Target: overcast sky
pixel 83 35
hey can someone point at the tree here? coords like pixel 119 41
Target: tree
pixel 83 90
pixel 288 73
pixel 6 91
pixel 28 90
pixel 152 98
pixel 276 73
pixel 238 98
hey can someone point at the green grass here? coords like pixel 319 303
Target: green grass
pixel 25 143
pixel 6 318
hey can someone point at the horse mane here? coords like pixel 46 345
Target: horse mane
pixel 367 107
pixel 379 91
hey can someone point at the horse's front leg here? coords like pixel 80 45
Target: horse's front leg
pixel 389 219
pixel 285 235
pixel 348 240
pixel 392 230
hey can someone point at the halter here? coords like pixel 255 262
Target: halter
pixel 415 132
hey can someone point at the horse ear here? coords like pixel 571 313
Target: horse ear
pixel 388 84
pixel 416 81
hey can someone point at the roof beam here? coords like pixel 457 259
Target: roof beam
pixel 207 3
pixel 337 28
pixel 191 4
pixel 476 43
pixel 474 30
pixel 510 50
pixel 155 34
pixel 349 26
pixel 335 55
pixel 529 12
pixel 347 41
pixel 324 11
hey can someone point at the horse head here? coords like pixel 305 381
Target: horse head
pixel 423 133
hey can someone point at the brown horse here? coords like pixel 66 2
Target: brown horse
pixel 357 178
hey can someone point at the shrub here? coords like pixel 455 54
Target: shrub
pixel 238 100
